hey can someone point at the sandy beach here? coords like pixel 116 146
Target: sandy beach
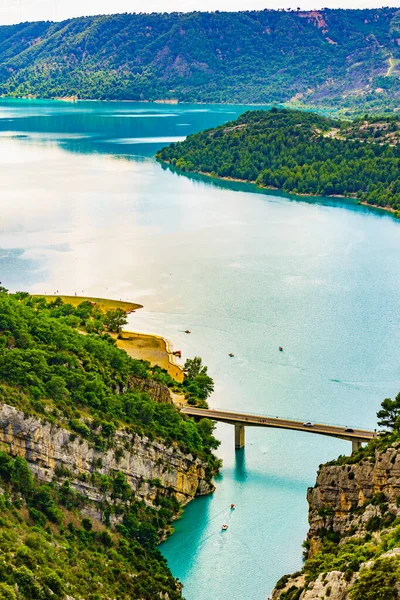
pixel 141 346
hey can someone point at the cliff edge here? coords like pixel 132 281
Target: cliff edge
pixel 352 551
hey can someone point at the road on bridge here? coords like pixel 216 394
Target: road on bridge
pixel 244 419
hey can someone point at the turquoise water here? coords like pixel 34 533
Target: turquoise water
pixel 86 209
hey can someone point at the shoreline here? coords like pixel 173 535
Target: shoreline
pixel 103 303
pixel 394 212
pixel 153 348
pixel 173 101
pixel 147 346
pixel 290 104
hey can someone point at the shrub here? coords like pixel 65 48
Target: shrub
pixel 378 582
pixel 87 524
pixel 7 592
pixel 373 524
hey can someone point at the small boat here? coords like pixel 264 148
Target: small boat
pixel 224 527
pixel 280 349
pixel 187 331
pixel 231 355
pixel 233 506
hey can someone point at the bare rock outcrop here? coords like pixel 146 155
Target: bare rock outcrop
pixel 345 497
pixel 345 500
pixel 150 467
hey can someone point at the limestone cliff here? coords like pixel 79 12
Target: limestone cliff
pixel 353 518
pixel 156 391
pixel 150 467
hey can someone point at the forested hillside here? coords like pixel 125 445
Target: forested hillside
pixel 300 152
pixel 88 532
pixel 350 57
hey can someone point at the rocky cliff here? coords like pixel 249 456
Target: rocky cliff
pixel 354 535
pixel 151 468
pixel 156 391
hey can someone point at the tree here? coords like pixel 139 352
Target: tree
pixel 389 415
pixel 193 367
pixel 205 384
pixel 197 380
pixel 114 320
pixel 56 388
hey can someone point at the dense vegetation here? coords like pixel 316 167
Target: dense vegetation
pixel 345 57
pixel 84 383
pixel 48 550
pixel 300 152
pixel 96 317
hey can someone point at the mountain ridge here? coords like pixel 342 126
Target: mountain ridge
pixel 313 57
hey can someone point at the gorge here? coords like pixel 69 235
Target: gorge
pixel 262 270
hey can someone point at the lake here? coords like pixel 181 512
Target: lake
pixel 85 208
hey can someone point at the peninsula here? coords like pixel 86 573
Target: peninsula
pixel 301 153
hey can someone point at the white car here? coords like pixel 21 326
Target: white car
pixel 308 424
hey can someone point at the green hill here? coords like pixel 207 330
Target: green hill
pixel 350 57
pixel 300 152
pixel 86 523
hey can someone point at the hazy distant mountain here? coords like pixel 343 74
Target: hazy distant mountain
pixel 351 56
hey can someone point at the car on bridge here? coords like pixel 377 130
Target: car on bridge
pixel 308 424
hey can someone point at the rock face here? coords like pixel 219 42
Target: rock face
pixel 157 391
pixel 344 500
pixel 150 467
pixel 333 585
pixel 341 499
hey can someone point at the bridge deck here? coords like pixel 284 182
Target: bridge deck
pixel 234 418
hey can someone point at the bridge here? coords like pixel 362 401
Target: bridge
pixel 242 420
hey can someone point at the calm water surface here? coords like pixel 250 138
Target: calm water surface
pixel 86 209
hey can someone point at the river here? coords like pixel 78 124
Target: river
pixel 85 208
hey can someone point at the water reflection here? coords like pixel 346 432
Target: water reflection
pixel 240 472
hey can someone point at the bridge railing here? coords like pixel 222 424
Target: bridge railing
pixel 295 419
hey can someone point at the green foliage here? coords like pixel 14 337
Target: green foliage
pixel 50 562
pixel 48 368
pixel 373 524
pixel 293 593
pixel 300 152
pixel 248 57
pixel 115 319
pixel 199 385
pixel 389 415
pixel 7 592
pixel 379 582
pixel 84 383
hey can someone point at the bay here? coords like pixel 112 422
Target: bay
pixel 85 208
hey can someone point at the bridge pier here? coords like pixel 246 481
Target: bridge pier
pixel 355 445
pixel 239 436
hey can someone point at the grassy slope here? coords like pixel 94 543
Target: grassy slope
pixel 104 304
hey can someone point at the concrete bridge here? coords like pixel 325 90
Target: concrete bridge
pixel 242 420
